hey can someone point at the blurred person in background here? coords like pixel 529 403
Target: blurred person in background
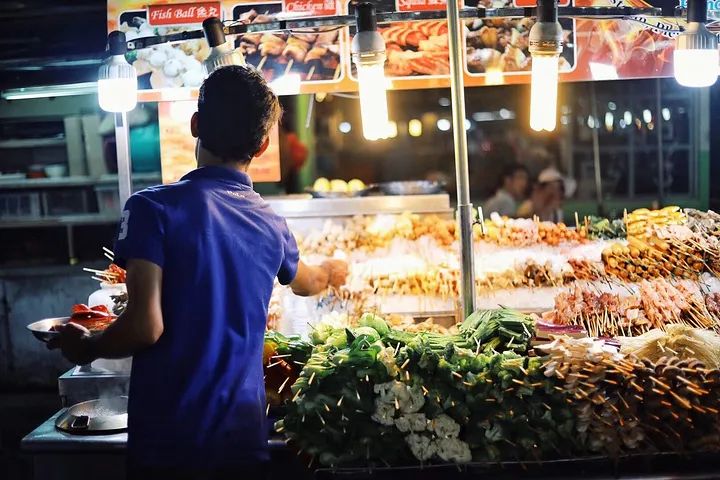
pixel 512 189
pixel 548 196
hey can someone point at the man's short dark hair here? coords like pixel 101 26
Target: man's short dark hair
pixel 236 111
pixel 510 170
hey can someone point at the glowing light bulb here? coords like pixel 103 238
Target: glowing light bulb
pixel 543 92
pixel 696 68
pixel 373 100
pixel 415 127
pixel 117 80
pixel 117 94
pixel 696 58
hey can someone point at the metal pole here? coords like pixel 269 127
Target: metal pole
pixel 659 136
pixel 122 144
pixel 596 152
pixel 464 207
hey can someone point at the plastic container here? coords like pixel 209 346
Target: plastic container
pixel 15 205
pixel 108 199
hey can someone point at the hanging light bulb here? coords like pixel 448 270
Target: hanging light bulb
pixel 545 47
pixel 222 51
pixel 117 80
pixel 696 58
pixel 368 54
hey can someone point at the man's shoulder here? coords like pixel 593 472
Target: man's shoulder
pixel 163 193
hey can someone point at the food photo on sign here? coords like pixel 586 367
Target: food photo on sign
pixel 311 54
pixel 164 65
pixel 501 45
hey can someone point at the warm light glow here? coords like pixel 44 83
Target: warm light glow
pixel 415 127
pixel 647 116
pixel 117 94
pixel 373 101
pixel 392 129
pixel 609 121
pixel 696 68
pixel 543 92
pixel 494 76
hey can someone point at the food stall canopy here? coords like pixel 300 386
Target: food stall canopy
pixel 311 60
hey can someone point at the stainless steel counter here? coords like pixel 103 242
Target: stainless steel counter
pixel 57 455
pixel 304 206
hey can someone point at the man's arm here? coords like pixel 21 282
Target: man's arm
pixel 140 325
pixel 313 279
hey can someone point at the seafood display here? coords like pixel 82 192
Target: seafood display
pixel 416 48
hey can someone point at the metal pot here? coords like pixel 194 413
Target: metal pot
pixel 103 415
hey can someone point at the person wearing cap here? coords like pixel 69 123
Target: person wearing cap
pixel 513 184
pixel 201 256
pixel 547 197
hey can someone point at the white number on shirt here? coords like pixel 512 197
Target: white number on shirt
pixel 124 219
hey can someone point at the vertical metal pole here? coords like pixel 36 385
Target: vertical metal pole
pixel 659 136
pixel 596 152
pixel 122 144
pixel 464 207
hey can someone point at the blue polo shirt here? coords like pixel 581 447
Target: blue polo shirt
pixel 197 396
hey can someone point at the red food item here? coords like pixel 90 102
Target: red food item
pixel 93 318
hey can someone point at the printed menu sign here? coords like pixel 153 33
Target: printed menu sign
pixel 533 3
pixel 183 13
pixel 177 146
pixel 419 5
pixel 317 8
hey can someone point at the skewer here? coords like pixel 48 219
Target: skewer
pixel 109 257
pixel 289 66
pixel 261 63
pixel 336 75
pixel 108 251
pixel 311 72
pixel 100 272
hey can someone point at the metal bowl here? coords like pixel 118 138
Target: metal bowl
pixel 357 193
pixel 103 415
pixel 414 187
pixel 43 329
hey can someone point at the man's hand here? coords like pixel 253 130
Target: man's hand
pixel 74 342
pixel 337 272
pixel 313 279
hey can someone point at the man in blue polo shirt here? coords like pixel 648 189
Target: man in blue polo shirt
pixel 201 256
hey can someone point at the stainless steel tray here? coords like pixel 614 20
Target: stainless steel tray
pixel 104 415
pixel 43 329
pixel 414 187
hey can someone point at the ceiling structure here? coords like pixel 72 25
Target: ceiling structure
pixel 50 42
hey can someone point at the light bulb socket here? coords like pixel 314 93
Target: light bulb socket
pixel 365 17
pixel 213 30
pixel 547 11
pixel 696 37
pixel 697 11
pixel 116 44
pixel 545 37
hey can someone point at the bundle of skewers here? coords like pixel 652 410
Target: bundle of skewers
pixel 623 403
pixel 657 304
pixel 111 275
pixel 313 54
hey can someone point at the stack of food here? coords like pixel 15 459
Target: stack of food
pixel 370 395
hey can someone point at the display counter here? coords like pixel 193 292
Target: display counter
pixel 57 455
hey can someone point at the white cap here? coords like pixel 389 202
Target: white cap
pixel 551 174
